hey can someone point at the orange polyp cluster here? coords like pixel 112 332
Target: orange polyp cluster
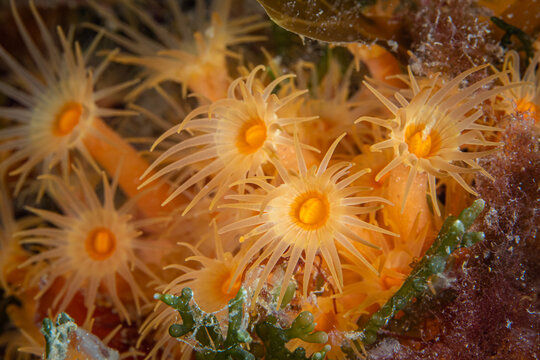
pixel 100 243
pixel 251 136
pixel 273 159
pixel 68 117
pixel 310 210
pixel 420 143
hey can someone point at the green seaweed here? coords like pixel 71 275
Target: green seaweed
pixel 452 236
pixel 212 345
pixel 206 330
pixel 509 31
pixel 275 337
pixel 57 336
pixel 65 340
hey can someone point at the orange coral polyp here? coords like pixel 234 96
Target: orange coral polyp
pixel 100 243
pixel 420 142
pixel 529 108
pixel 68 117
pixel 310 210
pixel 229 290
pixel 326 321
pixel 251 136
pixel 388 281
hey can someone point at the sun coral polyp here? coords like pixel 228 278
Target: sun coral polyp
pixel 67 118
pixel 233 137
pixel 308 213
pixel 59 104
pixel 310 210
pixel 428 132
pixel 192 54
pixel 100 243
pixel 381 63
pixel 211 284
pixel 525 98
pixel 93 243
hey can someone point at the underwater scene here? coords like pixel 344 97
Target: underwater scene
pixel 269 179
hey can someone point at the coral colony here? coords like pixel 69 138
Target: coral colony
pixel 186 180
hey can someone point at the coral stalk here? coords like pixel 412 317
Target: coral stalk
pixel 110 151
